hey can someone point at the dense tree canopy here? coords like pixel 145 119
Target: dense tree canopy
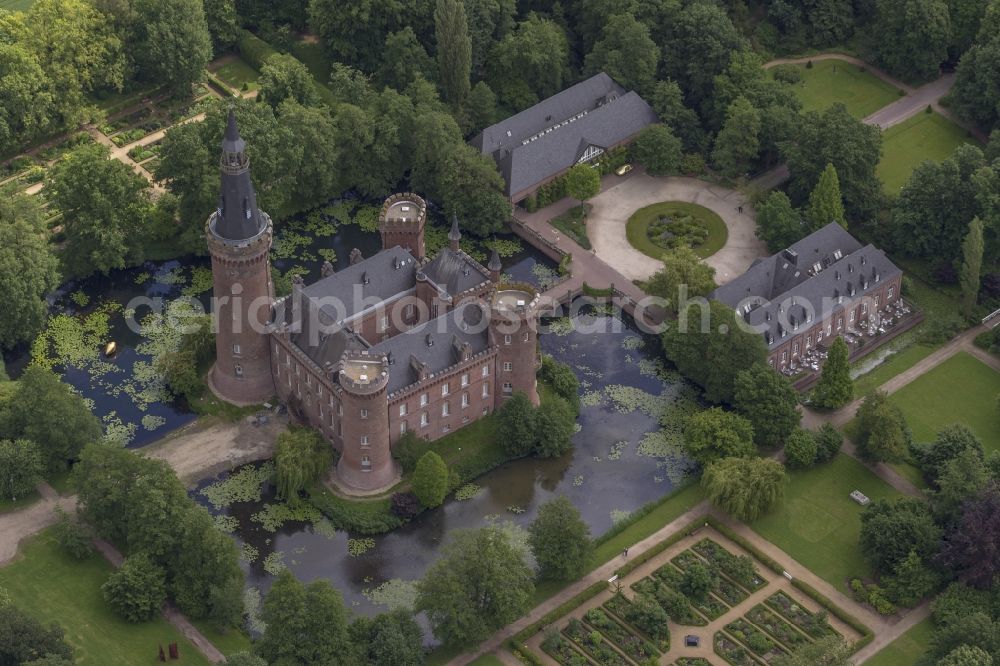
pixel 972 547
pixel 911 38
pixel 684 277
pixel 882 433
pixel 626 53
pixel 25 639
pixel 479 584
pixel 835 387
pixel 658 149
pixel 136 590
pixel 430 480
pixel 716 433
pixel 769 403
pixel 51 414
pixel 890 530
pixel 28 268
pixel 21 467
pixel 709 347
pixel 560 540
pixel 306 624
pixel 173 43
pixel 778 223
pixel 744 487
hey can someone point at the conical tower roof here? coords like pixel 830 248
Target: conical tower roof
pixel 454 234
pixel 237 217
pixel 494 264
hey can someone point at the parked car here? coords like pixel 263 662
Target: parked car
pixel 623 169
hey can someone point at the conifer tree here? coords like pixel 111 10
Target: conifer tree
pixel 972 263
pixel 454 50
pixel 826 204
pixel 835 388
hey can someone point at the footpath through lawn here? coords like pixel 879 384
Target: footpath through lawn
pixel 830 81
pixel 907 649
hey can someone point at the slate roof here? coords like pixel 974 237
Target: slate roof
pixel 596 112
pixel 378 278
pixel 434 344
pixel 454 272
pixel 237 217
pixel 774 293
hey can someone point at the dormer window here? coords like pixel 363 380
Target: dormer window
pixel 837 254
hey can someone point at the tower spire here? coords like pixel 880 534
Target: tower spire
pixel 237 217
pixel 454 236
pixel 495 266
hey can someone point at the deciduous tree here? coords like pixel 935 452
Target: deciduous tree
pixel 560 540
pixel 911 38
pixel 174 45
pixel 471 188
pixel 951 441
pixel 26 639
pixel 683 276
pixel 403 59
pixel 555 423
pixel 778 223
pixel 890 530
pixel 800 449
pixel 738 144
pixel 388 639
pixel 716 433
pixel 305 624
pixel 835 387
pixel 21 467
pixel 516 425
pixel 626 53
pixel 582 182
pixel 829 651
pixel 136 590
pixel 769 402
pixel 301 457
pixel 28 268
pixel 702 39
pixel 744 487
pixel 479 584
pixel 972 547
pixel 658 149
pixel 667 101
pixel 882 433
pixel 430 480
pixel 532 60
pixel 285 77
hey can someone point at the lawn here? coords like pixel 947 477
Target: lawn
pixel 925 136
pixel 818 523
pixel 53 587
pixel 907 649
pixel 16 5
pixel 486 660
pixel 573 223
pixel 229 643
pixel 890 367
pixel 638 225
pixel 963 389
pixel 236 72
pixel 830 81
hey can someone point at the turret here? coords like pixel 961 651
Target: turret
pixel 366 462
pixel 239 239
pixel 495 267
pixel 514 329
pixel 401 222
pixel 454 236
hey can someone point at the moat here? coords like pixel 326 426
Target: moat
pixel 625 450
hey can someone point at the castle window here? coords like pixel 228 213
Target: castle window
pixel 506 339
pixel 236 349
pixel 524 337
pixel 340 409
pixel 364 413
pixel 444 389
pixel 424 420
pixel 402 427
pixel 465 400
pixel 383 324
pixel 340 428
pixel 877 298
pixel 486 390
pixel 364 440
pixel 784 357
pixel 402 409
pixel 409 311
pixel 507 366
pixel 465 379
pixel 795 348
pixel 445 409
pixel 840 324
pixel 850 318
pixel 892 292
pixel 446 428
pixel 770 362
pixel 366 464
pixel 508 388
pixel 239 370
pixel 486 371
pixel 423 399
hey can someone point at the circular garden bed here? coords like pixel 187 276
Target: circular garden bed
pixel 659 228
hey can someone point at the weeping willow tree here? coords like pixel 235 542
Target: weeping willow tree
pixel 744 487
pixel 301 457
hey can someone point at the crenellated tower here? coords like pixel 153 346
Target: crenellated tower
pixel 401 222
pixel 514 328
pixel 239 239
pixel 365 459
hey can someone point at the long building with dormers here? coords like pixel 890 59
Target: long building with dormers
pixel 825 285
pixel 393 343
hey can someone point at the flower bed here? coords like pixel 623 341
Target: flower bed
pixel 143 153
pixel 813 624
pixel 710 607
pixel 731 651
pixel 593 644
pixel 661 593
pixel 633 646
pixel 692 661
pixel 778 628
pixel 751 636
pixel 669 575
pixel 729 591
pixel 626 611
pixel 685 559
pixel 560 649
pixel 740 569
pixel 128 136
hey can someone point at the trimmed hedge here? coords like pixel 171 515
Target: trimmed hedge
pixel 516 643
pixel 867 635
pixel 637 562
pixel 254 50
pixel 744 544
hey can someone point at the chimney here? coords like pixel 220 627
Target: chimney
pixel 356 256
pixel 327 270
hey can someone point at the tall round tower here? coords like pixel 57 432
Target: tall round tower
pixel 239 239
pixel 401 222
pixel 366 462
pixel 514 326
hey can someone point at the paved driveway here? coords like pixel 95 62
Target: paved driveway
pixel 613 207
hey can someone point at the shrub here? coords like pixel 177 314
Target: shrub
pixel 254 50
pixel 828 442
pixel 430 480
pixel 693 164
pixel 516 425
pixel 301 458
pixel 137 590
pixel 554 426
pixel 562 380
pixel 858 590
pixel 22 465
pixel 787 74
pixel 941 329
pixel 72 536
pixel 800 449
pixel 405 505
pixel 408 450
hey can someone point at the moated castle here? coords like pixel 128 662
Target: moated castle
pixel 392 343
